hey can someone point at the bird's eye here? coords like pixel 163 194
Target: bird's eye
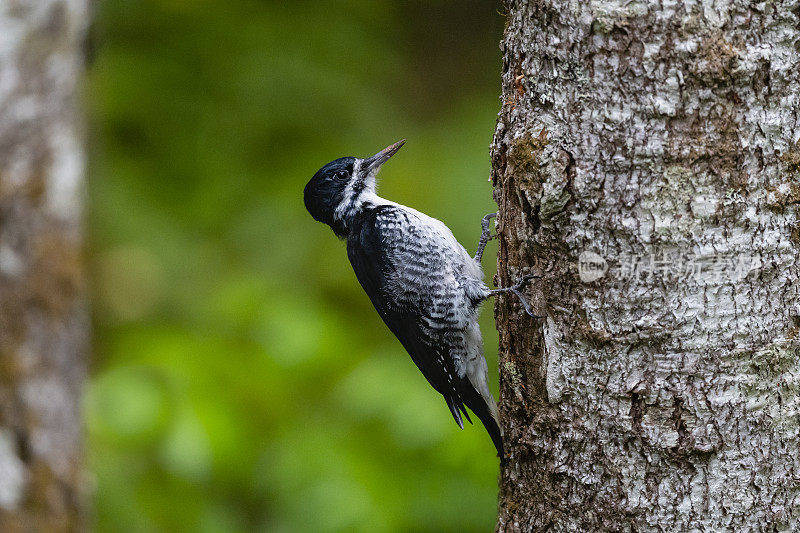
pixel 341 174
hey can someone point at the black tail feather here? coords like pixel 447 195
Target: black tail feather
pixel 466 414
pixel 481 410
pixel 494 432
pixel 491 426
pixel 454 410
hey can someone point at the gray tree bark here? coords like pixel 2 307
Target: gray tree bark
pixel 43 318
pixel 647 165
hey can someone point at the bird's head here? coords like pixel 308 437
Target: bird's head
pixel 338 190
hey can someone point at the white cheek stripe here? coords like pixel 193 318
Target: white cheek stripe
pixel 347 205
pixel 351 204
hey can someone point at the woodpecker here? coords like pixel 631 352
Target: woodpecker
pixel 423 283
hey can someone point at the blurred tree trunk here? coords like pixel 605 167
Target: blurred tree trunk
pixel 654 143
pixel 43 318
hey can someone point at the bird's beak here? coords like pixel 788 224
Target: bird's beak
pixel 381 157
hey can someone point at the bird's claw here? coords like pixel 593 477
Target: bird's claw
pixel 485 226
pixel 516 289
pixel 486 235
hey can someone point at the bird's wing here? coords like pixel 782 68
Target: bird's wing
pixel 410 274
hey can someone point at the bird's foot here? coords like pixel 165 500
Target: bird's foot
pixel 486 235
pixel 516 289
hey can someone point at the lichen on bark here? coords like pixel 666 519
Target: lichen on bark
pixel 662 139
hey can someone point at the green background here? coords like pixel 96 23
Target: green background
pixel 241 379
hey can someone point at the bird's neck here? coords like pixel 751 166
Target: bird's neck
pixel 354 206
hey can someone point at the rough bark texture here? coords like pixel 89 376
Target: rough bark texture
pixel 43 319
pixel 662 137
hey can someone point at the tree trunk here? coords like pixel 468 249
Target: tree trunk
pixel 647 165
pixel 43 318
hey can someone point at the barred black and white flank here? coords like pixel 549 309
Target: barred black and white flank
pixel 423 283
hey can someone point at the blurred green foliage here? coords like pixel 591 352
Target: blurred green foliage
pixel 242 380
